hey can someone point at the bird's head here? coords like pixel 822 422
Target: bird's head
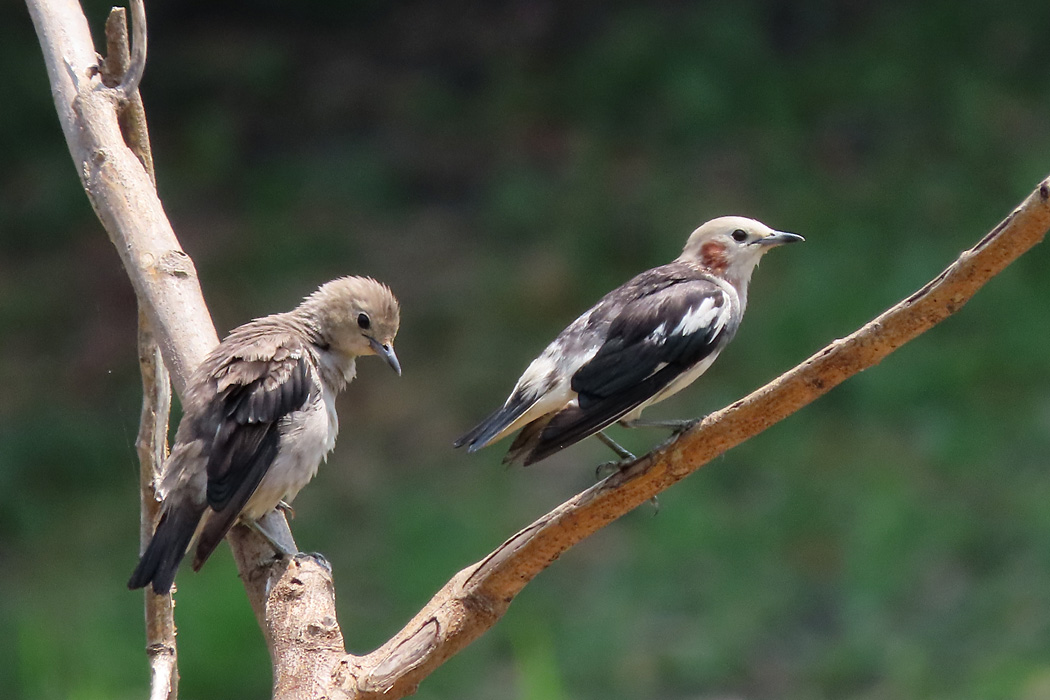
pixel 731 246
pixel 357 316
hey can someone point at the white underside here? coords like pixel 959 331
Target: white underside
pixel 680 382
pixel 303 448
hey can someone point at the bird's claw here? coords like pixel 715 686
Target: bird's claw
pixel 321 560
pixel 287 509
pixel 609 468
pixel 680 426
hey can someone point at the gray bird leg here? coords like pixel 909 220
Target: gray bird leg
pixel 625 455
pixel 622 452
pixel 675 426
pixel 278 547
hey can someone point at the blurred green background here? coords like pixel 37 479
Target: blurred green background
pixel 501 165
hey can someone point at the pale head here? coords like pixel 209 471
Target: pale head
pixel 731 246
pixel 356 316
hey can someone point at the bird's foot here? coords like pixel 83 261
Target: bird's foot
pixel 287 509
pixel 317 557
pixel 609 468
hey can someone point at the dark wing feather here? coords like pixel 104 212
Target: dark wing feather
pixel 257 385
pixel 640 357
pixel 254 396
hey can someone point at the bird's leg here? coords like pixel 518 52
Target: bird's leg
pixel 675 426
pixel 625 455
pixel 279 548
pixel 622 452
pixel 287 509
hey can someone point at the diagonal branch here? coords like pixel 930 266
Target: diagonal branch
pixel 477 596
pixel 152 440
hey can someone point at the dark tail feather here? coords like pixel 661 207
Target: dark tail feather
pixel 525 441
pixel 567 428
pixel 213 533
pixel 251 475
pixel 577 422
pixel 161 559
pixel 493 425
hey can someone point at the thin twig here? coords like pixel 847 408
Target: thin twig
pixel 122 193
pixel 152 440
pixel 152 446
pixel 131 114
pixel 129 84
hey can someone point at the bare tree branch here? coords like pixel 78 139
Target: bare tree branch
pixel 478 595
pixel 131 115
pixel 120 189
pixel 295 602
pixel 152 440
pixel 135 65
pixel 152 444
pixel 122 193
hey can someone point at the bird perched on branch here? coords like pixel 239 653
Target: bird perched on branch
pixel 259 416
pixel 640 344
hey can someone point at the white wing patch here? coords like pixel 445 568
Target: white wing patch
pixel 539 370
pixel 700 318
pixel 658 335
pixel 551 368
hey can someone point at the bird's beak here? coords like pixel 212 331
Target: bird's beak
pixel 387 353
pixel 779 238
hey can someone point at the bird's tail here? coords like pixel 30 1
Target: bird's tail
pixel 487 430
pixel 165 551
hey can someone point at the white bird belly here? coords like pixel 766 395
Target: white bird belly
pixel 680 382
pixel 306 439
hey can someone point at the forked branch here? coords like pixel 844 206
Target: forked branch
pixel 124 198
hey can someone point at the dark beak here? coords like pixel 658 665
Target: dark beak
pixel 780 238
pixel 387 353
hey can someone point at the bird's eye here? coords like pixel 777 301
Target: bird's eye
pixel 364 321
pixel 740 235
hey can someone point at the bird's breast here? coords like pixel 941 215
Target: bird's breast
pixel 307 436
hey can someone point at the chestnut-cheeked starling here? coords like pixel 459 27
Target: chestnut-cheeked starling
pixel 640 344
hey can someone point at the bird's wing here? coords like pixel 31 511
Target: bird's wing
pixel 259 380
pixel 658 335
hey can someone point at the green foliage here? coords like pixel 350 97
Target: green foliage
pixel 502 166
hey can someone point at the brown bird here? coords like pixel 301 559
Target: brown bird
pixel 259 417
pixel 641 343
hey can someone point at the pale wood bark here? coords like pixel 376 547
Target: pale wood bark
pixel 126 202
pixel 295 601
pixel 152 441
